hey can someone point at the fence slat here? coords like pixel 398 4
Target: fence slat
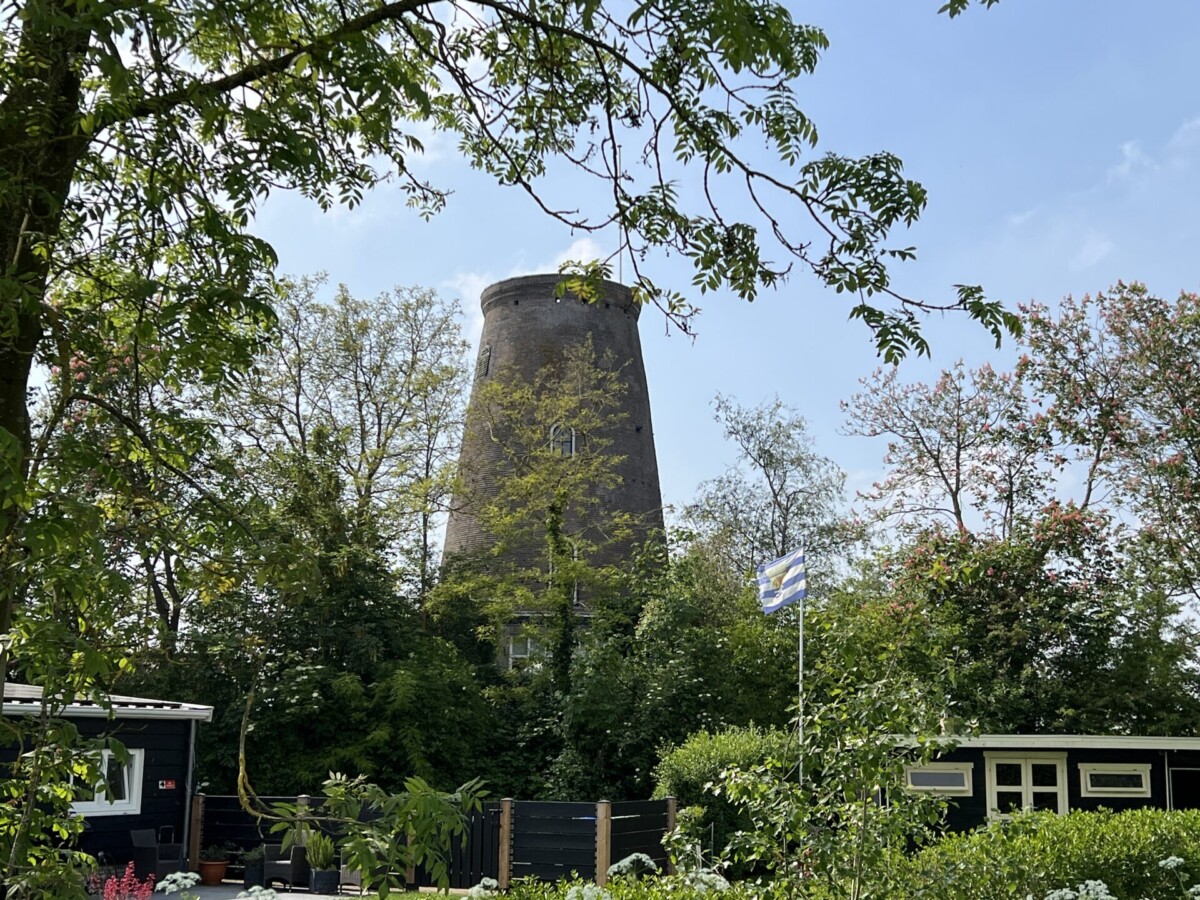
pixel 649 842
pixel 638 807
pixel 527 825
pixel 550 841
pixel 626 824
pixel 553 809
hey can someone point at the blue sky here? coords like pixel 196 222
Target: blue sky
pixel 1059 142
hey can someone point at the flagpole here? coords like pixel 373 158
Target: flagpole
pixel 800 697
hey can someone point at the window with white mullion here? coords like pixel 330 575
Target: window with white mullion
pixel 1114 779
pixel 952 779
pixel 118 793
pixel 1026 781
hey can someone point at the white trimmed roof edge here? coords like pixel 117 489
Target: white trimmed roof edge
pixel 26 700
pixel 1074 741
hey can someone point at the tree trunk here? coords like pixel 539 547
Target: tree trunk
pixel 40 147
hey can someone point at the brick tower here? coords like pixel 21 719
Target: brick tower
pixel 525 328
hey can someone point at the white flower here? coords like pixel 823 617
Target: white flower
pixel 486 888
pixel 178 881
pixel 705 882
pixel 1170 863
pixel 587 892
pixel 257 892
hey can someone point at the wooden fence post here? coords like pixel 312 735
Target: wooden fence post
pixel 603 841
pixel 670 828
pixel 504 867
pixel 195 835
pixel 301 815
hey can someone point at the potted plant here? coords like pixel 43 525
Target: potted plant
pixel 255 867
pixel 214 860
pixel 324 874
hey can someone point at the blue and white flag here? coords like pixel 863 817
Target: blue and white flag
pixel 782 581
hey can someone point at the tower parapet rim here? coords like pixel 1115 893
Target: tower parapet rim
pixel 539 290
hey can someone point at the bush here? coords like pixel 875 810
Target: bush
pixel 1038 853
pixel 683 773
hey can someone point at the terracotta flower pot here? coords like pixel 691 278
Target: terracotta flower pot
pixel 213 872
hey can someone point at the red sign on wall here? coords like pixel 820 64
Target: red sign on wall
pixel 167 785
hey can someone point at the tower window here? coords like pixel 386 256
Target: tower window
pixel 521 650
pixel 562 440
pixel 484 362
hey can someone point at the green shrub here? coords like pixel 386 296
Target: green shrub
pixel 682 773
pixel 1037 853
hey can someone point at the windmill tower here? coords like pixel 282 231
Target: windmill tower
pixel 526 328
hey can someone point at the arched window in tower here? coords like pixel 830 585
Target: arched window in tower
pixel 562 440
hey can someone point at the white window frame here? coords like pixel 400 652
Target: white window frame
pixel 966 769
pixel 1026 760
pixel 1086 770
pixel 532 649
pixel 557 444
pixel 132 804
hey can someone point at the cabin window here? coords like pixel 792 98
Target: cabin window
pixel 1114 779
pixel 120 792
pixel 562 440
pixel 951 779
pixel 1017 781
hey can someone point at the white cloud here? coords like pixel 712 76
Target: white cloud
pixel 1186 135
pixel 1132 160
pixel 1095 247
pixel 1184 143
pixel 436 144
pixel 581 250
pixel 1016 220
pixel 470 285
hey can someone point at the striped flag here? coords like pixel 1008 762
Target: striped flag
pixel 782 581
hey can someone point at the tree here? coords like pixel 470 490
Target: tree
pixel 780 495
pixel 1117 372
pixel 966 449
pixel 136 142
pixel 383 380
pixel 701 656
pixel 1053 629
pixel 541 507
pixel 137 139
pixel 548 563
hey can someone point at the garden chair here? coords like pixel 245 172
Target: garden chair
pixel 152 858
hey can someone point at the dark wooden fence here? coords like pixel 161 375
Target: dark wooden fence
pixel 638 826
pixel 221 820
pixel 474 859
pixel 552 840
pixel 507 839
